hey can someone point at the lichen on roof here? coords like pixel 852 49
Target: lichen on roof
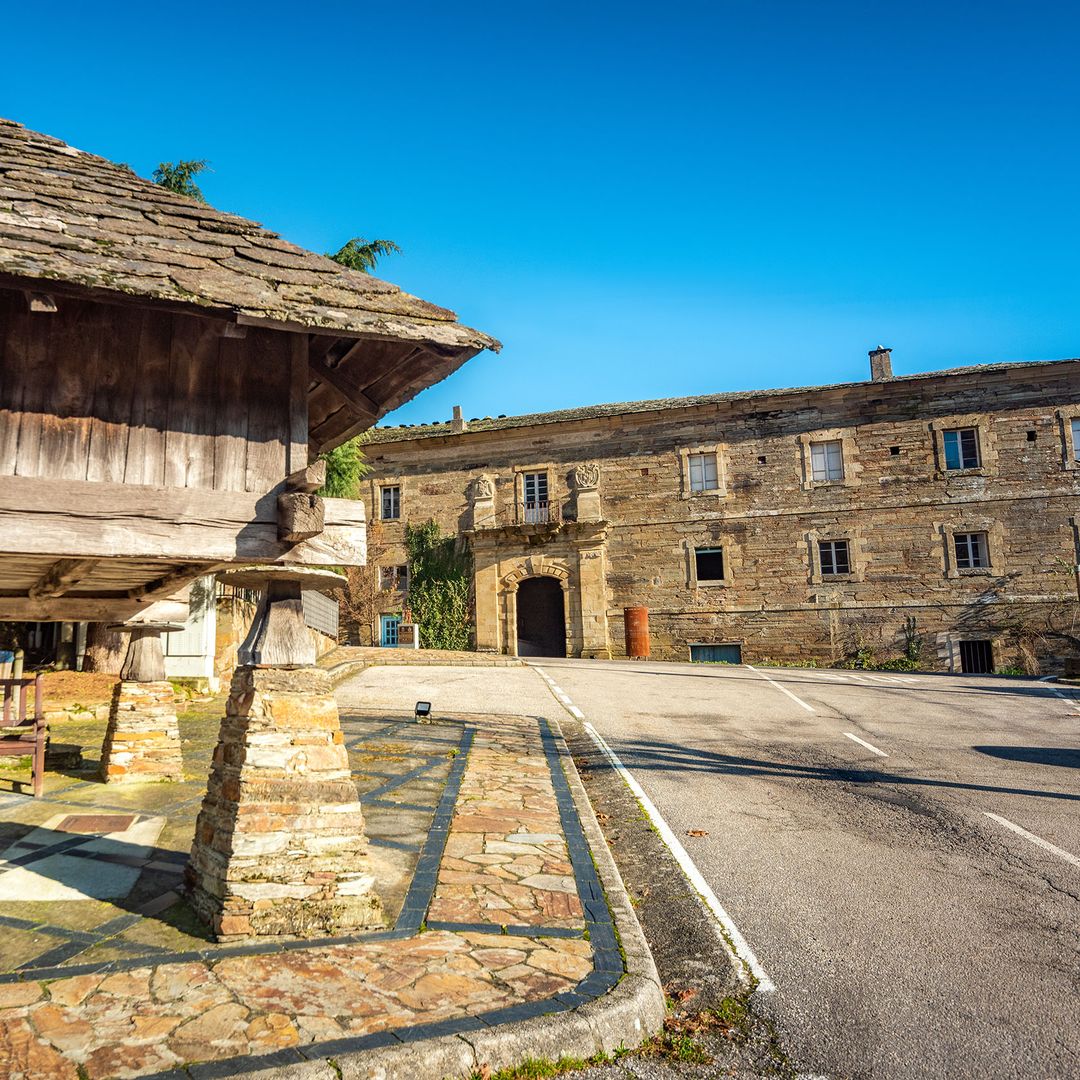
pixel 70 217
pixel 409 432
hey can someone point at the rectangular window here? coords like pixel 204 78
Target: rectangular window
pixel 391 502
pixel 1076 439
pixel 394 577
pixel 827 460
pixel 961 448
pixel 716 654
pixel 709 564
pixel 534 489
pixel 834 557
pixel 971 551
pixel 704 475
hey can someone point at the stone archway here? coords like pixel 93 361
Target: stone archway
pixel 541 617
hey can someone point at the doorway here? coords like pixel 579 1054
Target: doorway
pixel 388 631
pixel 976 657
pixel 541 624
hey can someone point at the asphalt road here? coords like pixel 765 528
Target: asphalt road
pixel 908 933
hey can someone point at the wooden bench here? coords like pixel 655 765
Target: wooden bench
pixel 21 735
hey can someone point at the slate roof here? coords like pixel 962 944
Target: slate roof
pixel 69 216
pixel 408 433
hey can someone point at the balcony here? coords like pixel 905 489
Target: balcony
pixel 538 513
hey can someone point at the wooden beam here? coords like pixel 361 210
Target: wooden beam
pixel 79 519
pixel 310 478
pixel 68 609
pixel 170 582
pixel 345 385
pixel 61 576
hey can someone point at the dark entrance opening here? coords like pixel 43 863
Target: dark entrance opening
pixel 976 657
pixel 541 629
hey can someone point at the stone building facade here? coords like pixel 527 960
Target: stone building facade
pixel 933 514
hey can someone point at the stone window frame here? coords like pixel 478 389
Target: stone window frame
pixel 995 547
pixel 856 555
pixel 730 559
pixel 849 453
pixel 720 450
pixel 984 429
pixel 948 646
pixel 401 581
pixel 554 497
pixel 376 497
pixel 1069 446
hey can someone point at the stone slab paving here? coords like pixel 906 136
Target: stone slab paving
pixel 499 916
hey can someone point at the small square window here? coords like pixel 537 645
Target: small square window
pixel 704 474
pixel 894 450
pixel 971 551
pixel 394 578
pixel 834 557
pixel 1032 436
pixel 827 460
pixel 962 448
pixel 761 460
pixel 709 564
pixel 391 502
pixel 1076 439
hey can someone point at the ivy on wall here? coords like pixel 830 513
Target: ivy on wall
pixel 439 581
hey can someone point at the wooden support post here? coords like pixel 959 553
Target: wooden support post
pixel 145 660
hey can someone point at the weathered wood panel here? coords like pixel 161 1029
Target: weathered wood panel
pixel 190 431
pixel 230 442
pixel 113 395
pixel 80 519
pixel 150 403
pixel 14 320
pixel 268 356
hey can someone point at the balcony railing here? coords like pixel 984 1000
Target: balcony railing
pixel 538 513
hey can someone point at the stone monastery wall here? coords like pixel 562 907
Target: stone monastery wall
pixel 898 506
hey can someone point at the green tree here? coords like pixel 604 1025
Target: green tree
pixel 180 176
pixel 345 468
pixel 438 596
pixel 360 254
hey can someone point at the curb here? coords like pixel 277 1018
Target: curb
pixel 623 1018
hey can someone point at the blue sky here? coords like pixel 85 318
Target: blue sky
pixel 639 200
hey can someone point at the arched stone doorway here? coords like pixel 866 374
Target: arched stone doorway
pixel 541 617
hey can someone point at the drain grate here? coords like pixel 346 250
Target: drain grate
pixel 90 824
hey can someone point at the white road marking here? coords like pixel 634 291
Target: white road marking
pixel 863 742
pixel 782 689
pixel 1071 701
pixel 1045 844
pixel 765 985
pixel 1046 678
pixel 576 712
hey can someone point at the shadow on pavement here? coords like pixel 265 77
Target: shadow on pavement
pixel 1035 755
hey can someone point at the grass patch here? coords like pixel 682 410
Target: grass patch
pixel 540 1068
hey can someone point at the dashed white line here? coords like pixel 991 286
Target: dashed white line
pixel 1071 701
pixel 862 742
pixel 782 689
pixel 1045 844
pixel 743 951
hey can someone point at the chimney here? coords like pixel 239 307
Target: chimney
pixel 880 364
pixel 457 424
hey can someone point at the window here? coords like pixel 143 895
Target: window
pixel 834 557
pixel 391 502
pixel 394 577
pixel 971 551
pixel 827 460
pixel 727 653
pixel 709 564
pixel 1076 439
pixel 704 475
pixel 534 489
pixel 961 448
pixel 976 657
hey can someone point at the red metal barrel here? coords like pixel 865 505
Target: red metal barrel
pixel 636 624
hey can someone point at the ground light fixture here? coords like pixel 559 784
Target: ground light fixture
pixel 423 710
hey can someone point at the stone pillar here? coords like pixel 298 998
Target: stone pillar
pixel 483 503
pixel 486 592
pixel 279 843
pixel 587 492
pixel 592 591
pixel 142 738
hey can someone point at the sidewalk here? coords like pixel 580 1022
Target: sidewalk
pixel 503 939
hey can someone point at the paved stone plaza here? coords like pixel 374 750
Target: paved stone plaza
pixel 493 906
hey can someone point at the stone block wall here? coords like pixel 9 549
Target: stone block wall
pixel 897 506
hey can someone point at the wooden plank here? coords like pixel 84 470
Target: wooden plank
pixel 36 381
pixel 82 519
pixel 110 423
pixel 297 457
pixel 150 406
pixel 60 577
pixel 75 365
pixel 70 609
pixel 268 361
pixel 189 436
pixel 14 331
pixel 230 441
pixel 342 380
